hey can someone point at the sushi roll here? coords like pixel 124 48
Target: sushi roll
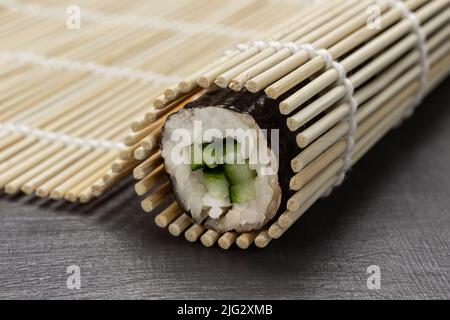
pixel 227 156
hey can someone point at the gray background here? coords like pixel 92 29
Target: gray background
pixel 393 211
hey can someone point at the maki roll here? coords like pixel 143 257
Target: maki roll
pixel 226 155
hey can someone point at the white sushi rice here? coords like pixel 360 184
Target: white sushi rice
pixel 221 215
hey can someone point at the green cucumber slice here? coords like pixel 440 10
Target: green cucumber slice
pixel 216 182
pixel 243 192
pixel 239 173
pixel 197 157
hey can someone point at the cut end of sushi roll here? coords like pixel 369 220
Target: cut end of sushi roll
pixel 212 155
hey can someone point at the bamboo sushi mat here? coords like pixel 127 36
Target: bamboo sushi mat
pixel 385 73
pixel 68 91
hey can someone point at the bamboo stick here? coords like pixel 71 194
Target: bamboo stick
pixel 227 239
pixel 177 227
pixel 156 198
pixel 169 214
pixel 209 238
pixel 194 232
pixel 73 194
pixel 263 239
pixel 147 166
pixel 246 239
pixel 143 186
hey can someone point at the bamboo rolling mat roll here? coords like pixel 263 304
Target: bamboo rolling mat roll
pixel 68 98
pixel 385 66
pixel 69 92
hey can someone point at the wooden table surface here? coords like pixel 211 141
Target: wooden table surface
pixel 393 212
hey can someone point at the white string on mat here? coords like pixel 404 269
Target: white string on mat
pixel 92 67
pixel 421 45
pixel 343 80
pixel 130 20
pixel 61 138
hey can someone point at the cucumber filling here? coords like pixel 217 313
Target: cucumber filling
pixel 223 177
pixel 243 192
pixel 216 183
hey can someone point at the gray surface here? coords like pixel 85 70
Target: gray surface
pixel 393 211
